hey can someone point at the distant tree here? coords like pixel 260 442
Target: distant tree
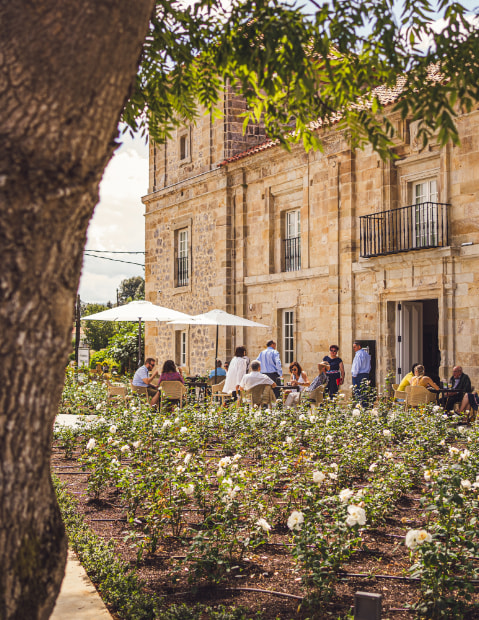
pixel 97 333
pixel 123 346
pixel 131 289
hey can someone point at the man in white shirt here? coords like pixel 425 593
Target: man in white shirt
pixel 255 377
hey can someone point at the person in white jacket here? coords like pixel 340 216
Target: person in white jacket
pixel 236 371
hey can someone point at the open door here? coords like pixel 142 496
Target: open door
pixel 409 330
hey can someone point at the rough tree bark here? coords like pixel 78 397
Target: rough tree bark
pixel 66 67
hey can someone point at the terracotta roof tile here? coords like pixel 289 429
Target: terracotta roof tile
pixel 386 96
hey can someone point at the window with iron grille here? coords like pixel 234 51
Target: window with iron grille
pixel 292 241
pixel 288 336
pixel 183 276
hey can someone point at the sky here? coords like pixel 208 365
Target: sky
pixel 118 223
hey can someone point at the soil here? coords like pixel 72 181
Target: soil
pixel 272 568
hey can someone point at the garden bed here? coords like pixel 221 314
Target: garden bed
pixel 262 510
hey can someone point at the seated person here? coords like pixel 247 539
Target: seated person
pixel 254 378
pixel 220 372
pixel 142 378
pixel 298 376
pixel 462 383
pixel 421 379
pixel 407 379
pixel 169 372
pixel 321 379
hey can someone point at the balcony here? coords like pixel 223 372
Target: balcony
pixel 410 228
pixel 182 271
pixel 292 254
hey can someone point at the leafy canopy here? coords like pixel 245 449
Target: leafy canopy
pixel 294 68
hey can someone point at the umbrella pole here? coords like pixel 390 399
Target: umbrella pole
pixel 139 342
pixel 216 351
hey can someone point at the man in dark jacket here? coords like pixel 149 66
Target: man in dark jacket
pixel 462 383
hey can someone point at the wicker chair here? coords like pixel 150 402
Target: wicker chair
pixel 217 393
pixel 260 395
pixel 172 391
pixel 419 395
pixel 116 392
pixel 316 396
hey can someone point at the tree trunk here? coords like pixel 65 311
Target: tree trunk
pixel 66 67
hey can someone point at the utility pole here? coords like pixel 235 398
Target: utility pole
pixel 77 328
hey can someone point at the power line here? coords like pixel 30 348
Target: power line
pixel 113 252
pixel 116 260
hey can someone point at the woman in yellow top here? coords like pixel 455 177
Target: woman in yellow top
pixel 421 379
pixel 407 379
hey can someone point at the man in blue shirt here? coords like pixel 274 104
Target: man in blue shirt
pixel 220 372
pixel 360 372
pixel 271 364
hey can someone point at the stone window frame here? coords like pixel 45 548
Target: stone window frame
pixel 278 221
pixel 181 357
pixel 282 333
pixel 175 228
pixel 184 137
pixel 412 171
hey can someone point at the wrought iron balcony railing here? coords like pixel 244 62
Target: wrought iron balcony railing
pixel 415 227
pixel 292 254
pixel 183 276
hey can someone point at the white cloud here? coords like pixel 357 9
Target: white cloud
pixel 118 222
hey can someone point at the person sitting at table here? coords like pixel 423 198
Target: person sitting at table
pixel 236 371
pixel 422 379
pixel 321 379
pixel 459 381
pixel 406 380
pixel 470 401
pixel 169 372
pixel 220 372
pixel 298 376
pixel 143 378
pixel 254 378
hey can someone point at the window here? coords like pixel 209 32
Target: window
pixel 182 258
pixel 288 336
pixel 181 348
pixel 292 241
pixel 184 147
pixel 426 213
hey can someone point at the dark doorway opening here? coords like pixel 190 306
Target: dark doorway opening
pixel 430 338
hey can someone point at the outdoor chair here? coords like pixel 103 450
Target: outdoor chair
pixel 419 395
pixel 116 392
pixel 219 379
pixel 139 390
pixel 172 391
pixel 217 393
pixel 399 395
pixel 315 397
pixel 260 395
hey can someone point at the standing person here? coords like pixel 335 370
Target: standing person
pixel 236 371
pixel 271 364
pixel 142 378
pixel 360 372
pixel 336 372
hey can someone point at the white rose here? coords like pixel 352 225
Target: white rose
pixel 226 460
pixel 91 444
pixel 466 484
pixel 136 444
pixel 386 432
pixel 112 429
pixel 295 520
pixel 125 448
pixel 187 458
pixel 190 489
pixel 98 407
pixel 356 413
pixel 180 469
pixel 345 495
pixel 183 430
pixel 372 467
pixel 166 423
pixel 236 458
pixel 319 477
pixel 263 524
pixel 417 537
pixel 356 515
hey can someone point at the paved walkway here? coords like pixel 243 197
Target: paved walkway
pixel 78 599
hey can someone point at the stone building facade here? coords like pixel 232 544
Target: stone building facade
pixel 322 247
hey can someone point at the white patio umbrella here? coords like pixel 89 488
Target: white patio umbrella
pixel 218 317
pixel 138 311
